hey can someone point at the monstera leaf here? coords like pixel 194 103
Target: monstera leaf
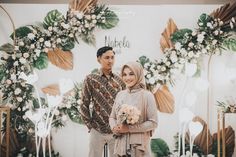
pixel 41 62
pixel 111 20
pixel 230 44
pixel 89 38
pixel 143 59
pixel 22 32
pixel 68 44
pixel 159 147
pixel 204 19
pixel 178 36
pixel 52 17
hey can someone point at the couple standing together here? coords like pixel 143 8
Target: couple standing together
pixel 104 93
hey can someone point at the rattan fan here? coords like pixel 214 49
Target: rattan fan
pixel 61 59
pixel 165 41
pixel 164 100
pixel 82 5
pixel 229 140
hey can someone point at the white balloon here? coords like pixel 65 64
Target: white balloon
pixel 190 69
pixel 190 98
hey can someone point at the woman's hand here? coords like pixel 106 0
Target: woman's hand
pixel 120 128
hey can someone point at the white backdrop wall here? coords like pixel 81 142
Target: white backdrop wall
pixel 138 32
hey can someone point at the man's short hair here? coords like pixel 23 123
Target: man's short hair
pixel 103 50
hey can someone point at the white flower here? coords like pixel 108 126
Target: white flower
pixel 47 43
pixel 214 42
pixel 216 32
pixel 103 21
pixel 16 48
pixel 19 99
pixel 86 25
pixel 209 25
pixel 233 19
pixel 200 37
pixel 66 26
pixel 41 40
pixel 168 63
pixel 163 68
pixel 94 16
pixel 50 28
pixel 16 63
pixel 194 33
pixel 190 54
pixel 79 15
pixel 22 60
pixel 94 21
pixel 57 112
pixel 148 76
pixel 32 46
pixel 68 105
pixel 58 40
pixel 13 77
pixel 146 65
pixel 221 23
pixel 31 36
pixel 190 44
pixel 204 51
pixel 21 43
pixel 25 55
pixel 152 80
pixel 37 52
pixel 200 24
pixel 178 46
pixel 88 17
pixel 79 101
pixel 17 91
pixel 8 81
pixel 71 35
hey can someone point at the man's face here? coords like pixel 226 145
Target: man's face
pixel 107 60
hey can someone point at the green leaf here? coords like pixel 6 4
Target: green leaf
pixel 111 20
pixel 178 36
pixel 52 17
pixel 143 59
pixel 7 48
pixel 89 38
pixel 41 62
pixel 68 45
pixel 2 72
pixel 22 32
pixel 159 147
pixel 204 18
pixel 230 44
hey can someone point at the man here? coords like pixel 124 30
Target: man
pixel 99 92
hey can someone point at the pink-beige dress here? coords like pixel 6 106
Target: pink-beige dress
pixel 136 143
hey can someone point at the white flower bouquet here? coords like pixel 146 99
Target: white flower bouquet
pixel 128 114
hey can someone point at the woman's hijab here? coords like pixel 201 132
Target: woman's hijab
pixel 138 72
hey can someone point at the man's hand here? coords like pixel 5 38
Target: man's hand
pixel 120 128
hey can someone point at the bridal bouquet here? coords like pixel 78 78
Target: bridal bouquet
pixel 128 114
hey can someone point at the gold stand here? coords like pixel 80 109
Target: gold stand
pixel 7 134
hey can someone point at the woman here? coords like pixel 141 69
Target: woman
pixel 134 140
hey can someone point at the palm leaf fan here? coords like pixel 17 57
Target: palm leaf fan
pixel 201 139
pixel 165 41
pixel 226 12
pixel 229 140
pixel 51 90
pixel 61 59
pixel 164 100
pixel 82 5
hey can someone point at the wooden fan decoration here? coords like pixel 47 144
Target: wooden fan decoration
pixel 164 100
pixel 229 140
pixel 61 59
pixel 165 41
pixel 201 139
pixel 226 12
pixel 82 5
pixel 51 90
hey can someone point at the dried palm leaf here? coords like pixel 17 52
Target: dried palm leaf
pixel 165 41
pixel 51 90
pixel 229 140
pixel 164 100
pixel 201 139
pixel 82 5
pixel 61 59
pixel 226 12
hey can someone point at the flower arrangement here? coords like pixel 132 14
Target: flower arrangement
pixel 227 107
pixel 70 107
pixel 128 114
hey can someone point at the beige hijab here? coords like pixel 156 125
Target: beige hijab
pixel 138 72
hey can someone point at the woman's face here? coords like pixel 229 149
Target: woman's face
pixel 128 77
